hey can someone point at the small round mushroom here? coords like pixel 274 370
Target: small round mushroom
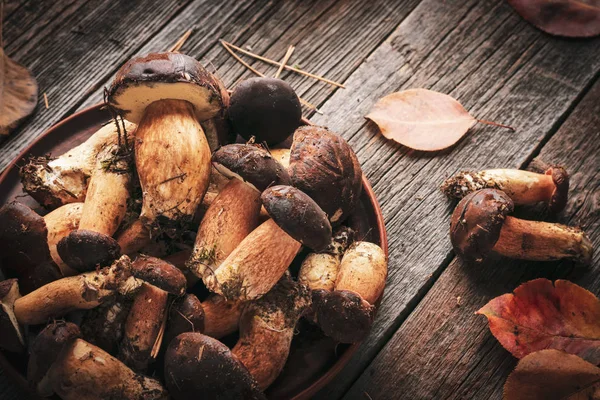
pixel 11 333
pixel 323 166
pixel 346 313
pixel 481 224
pixel 63 180
pixel 523 187
pixel 84 371
pixel 298 215
pixel 45 350
pixel 186 315
pixel 198 366
pixel 267 328
pixel 266 108
pixel 169 95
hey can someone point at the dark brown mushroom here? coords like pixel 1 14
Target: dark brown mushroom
pixel 481 224
pixel 298 215
pixel 191 361
pixel 160 273
pixel 266 108
pixel 323 166
pixel 186 315
pixel 11 333
pixel 523 187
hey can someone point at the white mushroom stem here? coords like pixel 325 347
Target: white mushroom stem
pixel 60 223
pixel 86 372
pixel 255 265
pixel 542 241
pixel 173 163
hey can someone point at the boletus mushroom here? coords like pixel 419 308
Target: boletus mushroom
pixel 523 187
pixel 168 95
pixel 346 313
pixel 221 317
pixel 267 328
pixel 324 166
pixel 481 224
pixel 266 108
pixel 11 333
pixel 200 367
pixel 63 180
pixel 186 315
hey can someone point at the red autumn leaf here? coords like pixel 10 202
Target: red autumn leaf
pixel 540 315
pixel 571 18
pixel 422 119
pixel 553 374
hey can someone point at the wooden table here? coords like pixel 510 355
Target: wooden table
pixel 426 342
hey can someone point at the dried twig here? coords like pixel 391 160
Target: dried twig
pixel 287 67
pixel 287 56
pixel 46 101
pixel 179 43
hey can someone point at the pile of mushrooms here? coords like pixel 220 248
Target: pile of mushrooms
pixel 164 237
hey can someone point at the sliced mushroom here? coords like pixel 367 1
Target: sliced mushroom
pixel 200 367
pixel 523 187
pixel 11 333
pixel 346 314
pixel 169 94
pixel 63 180
pixel 323 166
pixel 267 328
pixel 481 224
pixel 84 371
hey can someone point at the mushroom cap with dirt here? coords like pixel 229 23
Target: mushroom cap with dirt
pixel 11 333
pixel 346 314
pixel 198 366
pixel 298 215
pixel 523 187
pixel 324 166
pixel 481 224
pixel 266 108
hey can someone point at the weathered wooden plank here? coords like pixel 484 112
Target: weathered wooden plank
pixel 501 69
pixel 444 350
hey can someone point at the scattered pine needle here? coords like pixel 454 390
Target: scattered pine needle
pixel 161 334
pixel 46 101
pixel 367 395
pixel 179 43
pixel 287 56
pixel 287 67
pixel 483 121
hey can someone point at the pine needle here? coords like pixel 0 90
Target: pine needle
pixel 46 101
pixel 287 56
pixel 179 43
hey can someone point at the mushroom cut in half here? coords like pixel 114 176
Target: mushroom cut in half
pixel 168 95
pixel 266 108
pixel 323 166
pixel 481 224
pixel 523 187
pixel 346 314
pixel 200 367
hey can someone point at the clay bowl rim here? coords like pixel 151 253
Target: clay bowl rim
pixel 308 392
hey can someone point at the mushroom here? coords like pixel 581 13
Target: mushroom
pixel 11 334
pixel 84 371
pixel 186 315
pixel 103 210
pixel 221 317
pixel 267 328
pixel 481 224
pixel 44 351
pixel 323 166
pixel 63 180
pixel 18 93
pixel 298 215
pixel 523 187
pixel 266 108
pixel 346 313
pixel 26 253
pixel 168 95
pixel 200 367
pixel 60 223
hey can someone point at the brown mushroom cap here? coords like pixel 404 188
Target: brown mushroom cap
pixel 11 336
pixel 476 223
pixel 45 350
pixel 298 215
pixel 160 273
pixel 200 367
pixel 323 165
pixel 186 315
pixel 251 164
pixel 159 76
pixel 560 195
pixel 266 108
pixel 84 250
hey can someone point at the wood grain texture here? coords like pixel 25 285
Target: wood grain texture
pixel 499 68
pixel 443 339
